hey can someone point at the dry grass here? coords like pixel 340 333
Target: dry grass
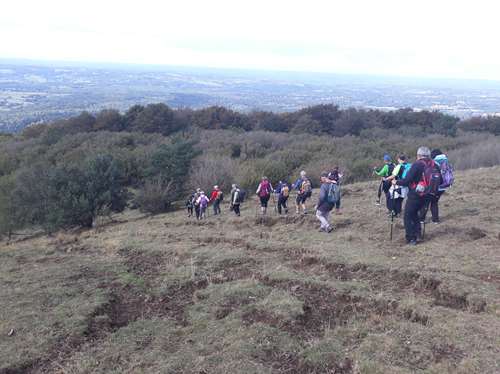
pixel 165 294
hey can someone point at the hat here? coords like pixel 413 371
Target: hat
pixel 324 174
pixel 387 158
pixel 216 187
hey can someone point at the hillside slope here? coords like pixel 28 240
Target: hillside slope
pixel 166 294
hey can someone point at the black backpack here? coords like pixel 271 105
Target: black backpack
pixel 221 196
pixel 242 195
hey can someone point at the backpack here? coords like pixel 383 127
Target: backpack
pixel 285 191
pixel 391 169
pixel 220 196
pixel 241 196
pixel 405 168
pixel 204 202
pixel 333 193
pixel 446 173
pixel 306 188
pixel 431 179
pixel 265 189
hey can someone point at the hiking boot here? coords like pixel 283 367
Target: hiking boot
pixel 436 222
pixel 329 230
pixel 412 243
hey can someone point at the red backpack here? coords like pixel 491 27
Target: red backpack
pixel 265 189
pixel 431 179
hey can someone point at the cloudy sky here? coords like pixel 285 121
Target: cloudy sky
pixel 439 38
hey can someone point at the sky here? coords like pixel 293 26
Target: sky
pixel 435 39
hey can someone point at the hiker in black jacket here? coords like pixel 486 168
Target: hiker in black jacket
pixel 415 201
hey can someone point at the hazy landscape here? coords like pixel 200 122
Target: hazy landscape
pixel 35 91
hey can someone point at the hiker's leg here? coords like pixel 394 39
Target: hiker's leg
pixel 280 202
pixel 237 209
pixel 411 219
pixel 327 219
pixel 284 202
pixel 398 203
pixel 388 201
pixel 297 204
pixel 435 207
pixel 324 222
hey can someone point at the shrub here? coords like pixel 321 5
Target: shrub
pixel 67 196
pixel 155 196
pixel 213 170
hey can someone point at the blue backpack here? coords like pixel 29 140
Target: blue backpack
pixel 333 193
pixel 405 168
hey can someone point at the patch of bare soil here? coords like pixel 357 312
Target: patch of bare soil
pixel 325 308
pixel 143 264
pixel 475 233
pixel 393 279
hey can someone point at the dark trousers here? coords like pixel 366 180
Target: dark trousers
pixel 236 209
pixel 431 202
pixel 282 200
pixel 388 201
pixel 190 210
pixel 217 207
pixel 412 217
pixel 397 205
pixel 337 204
pixel 197 211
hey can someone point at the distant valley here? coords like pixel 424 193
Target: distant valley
pixel 38 92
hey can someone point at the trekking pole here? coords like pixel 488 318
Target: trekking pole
pixel 392 213
pixel 379 193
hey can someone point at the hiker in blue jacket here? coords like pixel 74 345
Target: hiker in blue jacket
pixel 324 207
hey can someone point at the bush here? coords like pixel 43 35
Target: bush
pixel 67 196
pixel 155 196
pixel 213 170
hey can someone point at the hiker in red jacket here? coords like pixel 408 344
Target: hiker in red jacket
pixel 216 198
pixel 264 192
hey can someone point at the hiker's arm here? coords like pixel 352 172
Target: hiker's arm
pixel 395 173
pixel 258 190
pixel 382 172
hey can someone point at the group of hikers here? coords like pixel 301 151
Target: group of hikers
pixel 421 183
pixel 198 202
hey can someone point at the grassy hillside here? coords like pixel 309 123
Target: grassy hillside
pixel 165 294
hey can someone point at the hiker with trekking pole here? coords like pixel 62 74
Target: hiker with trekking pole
pixel 423 180
pixel 447 181
pixel 283 192
pixel 237 198
pixel 303 186
pixel 398 193
pixel 328 196
pixel 264 191
pixel 336 176
pixel 384 172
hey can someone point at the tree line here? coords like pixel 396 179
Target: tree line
pixel 324 119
